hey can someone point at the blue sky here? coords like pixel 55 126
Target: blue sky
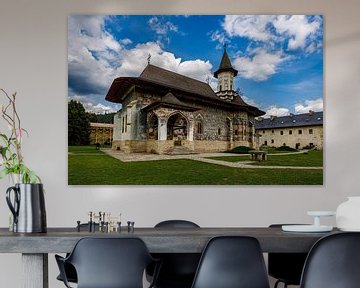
pixel 279 57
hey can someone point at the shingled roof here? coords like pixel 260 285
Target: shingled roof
pixel 184 88
pixel 307 119
pixel 177 81
pixel 225 65
pixel 169 100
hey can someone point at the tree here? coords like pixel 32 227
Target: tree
pixel 78 124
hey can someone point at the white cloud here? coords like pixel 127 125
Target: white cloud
pixel 260 64
pixel 135 60
pixel 91 106
pixel 162 28
pixel 276 111
pixel 314 105
pixel 218 36
pixel 296 31
pixel 95 57
pixel 249 101
pixel 254 27
pixel 298 28
pixel 125 41
pixel 91 51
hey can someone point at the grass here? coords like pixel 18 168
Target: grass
pixel 78 150
pixel 231 158
pixel 271 150
pixel 310 159
pixel 85 169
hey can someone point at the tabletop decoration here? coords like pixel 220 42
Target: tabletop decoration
pixel 348 214
pixel 25 197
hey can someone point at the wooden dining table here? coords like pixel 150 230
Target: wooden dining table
pixel 35 247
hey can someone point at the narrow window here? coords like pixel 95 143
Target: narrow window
pixel 272 141
pixel 199 128
pixel 265 142
pixel 272 131
pixel 310 131
pixel 281 132
pixel 290 132
pixel 123 125
pixel 219 131
pixel 236 132
pixel 300 131
pixel 263 131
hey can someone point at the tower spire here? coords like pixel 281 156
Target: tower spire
pixel 225 65
pixel 225 75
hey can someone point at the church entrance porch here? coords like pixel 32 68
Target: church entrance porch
pixel 177 128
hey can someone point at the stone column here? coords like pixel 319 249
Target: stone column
pixel 191 131
pixel 231 132
pixel 253 136
pixel 162 128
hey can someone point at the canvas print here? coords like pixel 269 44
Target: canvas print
pixel 195 100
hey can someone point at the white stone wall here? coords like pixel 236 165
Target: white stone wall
pixel 274 137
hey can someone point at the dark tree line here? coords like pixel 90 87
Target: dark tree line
pixel 101 118
pixel 79 123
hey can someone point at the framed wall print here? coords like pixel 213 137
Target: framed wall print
pixel 195 100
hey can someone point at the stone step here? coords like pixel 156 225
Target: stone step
pixel 180 150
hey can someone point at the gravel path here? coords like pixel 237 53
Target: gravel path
pixel 203 157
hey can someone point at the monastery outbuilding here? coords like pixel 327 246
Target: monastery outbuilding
pixel 297 131
pixel 167 113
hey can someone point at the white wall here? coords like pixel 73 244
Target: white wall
pixel 33 62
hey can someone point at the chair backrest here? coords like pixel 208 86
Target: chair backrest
pixel 333 262
pixel 110 262
pixel 178 269
pixel 176 224
pixel 232 262
pixel 286 266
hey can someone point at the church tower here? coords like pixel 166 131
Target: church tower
pixel 225 75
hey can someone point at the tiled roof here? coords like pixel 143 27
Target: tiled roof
pixel 169 100
pixel 185 88
pixel 225 65
pixel 307 119
pixel 177 81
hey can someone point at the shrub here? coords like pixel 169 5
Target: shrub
pixel 286 148
pixel 240 150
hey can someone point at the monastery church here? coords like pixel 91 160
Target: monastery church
pixel 167 113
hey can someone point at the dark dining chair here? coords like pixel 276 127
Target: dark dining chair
pixel 286 267
pixel 178 269
pixel 232 262
pixel 108 263
pixel 70 271
pixel 333 262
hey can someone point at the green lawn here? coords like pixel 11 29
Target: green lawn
pixel 311 159
pixel 104 170
pixel 231 158
pixel 83 150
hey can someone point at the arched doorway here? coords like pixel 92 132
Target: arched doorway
pixel 177 128
pixel 153 127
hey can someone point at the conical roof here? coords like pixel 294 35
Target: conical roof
pixel 225 65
